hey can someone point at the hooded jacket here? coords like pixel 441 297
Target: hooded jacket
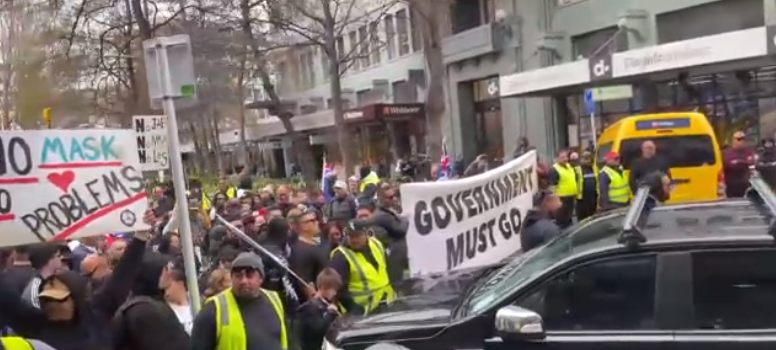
pixel 538 229
pixel 89 329
pixel 148 322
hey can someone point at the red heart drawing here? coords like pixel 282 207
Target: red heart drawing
pixel 62 180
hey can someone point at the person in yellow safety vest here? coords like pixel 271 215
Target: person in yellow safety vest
pixel 563 180
pixel 614 190
pixel 244 317
pixel 368 185
pixel 225 188
pixel 362 263
pixel 587 187
pixel 19 343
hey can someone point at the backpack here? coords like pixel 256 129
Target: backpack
pixel 120 332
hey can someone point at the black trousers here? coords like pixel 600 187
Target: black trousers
pixel 586 207
pixel 565 216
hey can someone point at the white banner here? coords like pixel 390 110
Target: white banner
pixel 469 222
pixel 152 147
pixel 62 184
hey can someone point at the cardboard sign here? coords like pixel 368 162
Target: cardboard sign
pixel 469 222
pixel 63 184
pixel 152 147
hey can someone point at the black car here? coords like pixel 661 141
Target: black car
pixel 700 276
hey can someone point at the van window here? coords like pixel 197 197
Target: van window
pixel 679 151
pixel 601 152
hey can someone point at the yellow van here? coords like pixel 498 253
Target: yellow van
pixel 687 142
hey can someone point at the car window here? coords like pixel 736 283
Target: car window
pixel 502 284
pixel 678 151
pixel 616 294
pixel 735 289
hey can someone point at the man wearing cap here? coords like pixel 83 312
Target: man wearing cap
pixel 244 317
pixel 362 263
pixel 614 191
pixel 342 207
pixel 587 188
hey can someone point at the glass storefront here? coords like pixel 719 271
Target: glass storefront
pixel 740 100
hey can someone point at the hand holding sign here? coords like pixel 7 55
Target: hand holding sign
pixel 68 184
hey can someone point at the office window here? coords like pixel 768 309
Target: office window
pixel 364 47
pixel 340 48
pixel 403 29
pixel 390 36
pixel 352 53
pixel 325 65
pixel 465 15
pixel 734 290
pixel 416 31
pixel 617 294
pixel 374 37
pixel 311 68
pixel 302 63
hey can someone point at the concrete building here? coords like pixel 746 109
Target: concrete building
pixel 383 88
pixel 677 55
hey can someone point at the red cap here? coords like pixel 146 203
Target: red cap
pixel 612 156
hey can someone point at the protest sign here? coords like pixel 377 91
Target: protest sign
pixel 469 222
pixel 152 147
pixel 62 184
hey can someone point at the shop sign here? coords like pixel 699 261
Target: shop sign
pixel 400 110
pixel 608 93
pixel 573 73
pixel 711 49
pixel 354 115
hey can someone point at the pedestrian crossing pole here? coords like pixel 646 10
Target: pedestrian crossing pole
pixel 47 117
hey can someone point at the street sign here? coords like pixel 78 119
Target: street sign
pixel 152 147
pixel 589 101
pixel 180 75
pixel 608 93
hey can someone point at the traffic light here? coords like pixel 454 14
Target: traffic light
pixel 47 117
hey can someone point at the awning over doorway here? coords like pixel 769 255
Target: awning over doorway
pixel 319 120
pixel 725 47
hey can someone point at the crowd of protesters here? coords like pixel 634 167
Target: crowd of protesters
pixel 334 251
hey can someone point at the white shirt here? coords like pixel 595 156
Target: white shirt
pixel 184 316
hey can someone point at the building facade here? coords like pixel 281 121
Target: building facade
pixel 675 55
pixel 382 88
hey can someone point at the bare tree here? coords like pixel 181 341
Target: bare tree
pixel 430 17
pixel 322 24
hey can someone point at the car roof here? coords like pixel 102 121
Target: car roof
pixel 722 221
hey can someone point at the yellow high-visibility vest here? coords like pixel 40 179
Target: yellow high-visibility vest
pixel 231 193
pixel 371 179
pixel 230 329
pixel 619 190
pixel 567 181
pixel 368 285
pixel 16 343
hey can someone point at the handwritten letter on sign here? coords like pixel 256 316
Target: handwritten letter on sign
pixel 62 184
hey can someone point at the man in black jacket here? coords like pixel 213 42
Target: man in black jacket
pixel 145 316
pixel 648 163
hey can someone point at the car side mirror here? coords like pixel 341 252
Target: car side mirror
pixel 518 324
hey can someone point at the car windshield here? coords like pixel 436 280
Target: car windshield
pixel 499 284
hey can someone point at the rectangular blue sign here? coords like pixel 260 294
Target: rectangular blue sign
pixel 655 124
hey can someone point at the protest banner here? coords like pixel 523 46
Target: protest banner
pixel 469 222
pixel 152 146
pixel 63 184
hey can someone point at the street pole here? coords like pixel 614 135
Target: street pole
pixel 187 239
pixel 592 128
